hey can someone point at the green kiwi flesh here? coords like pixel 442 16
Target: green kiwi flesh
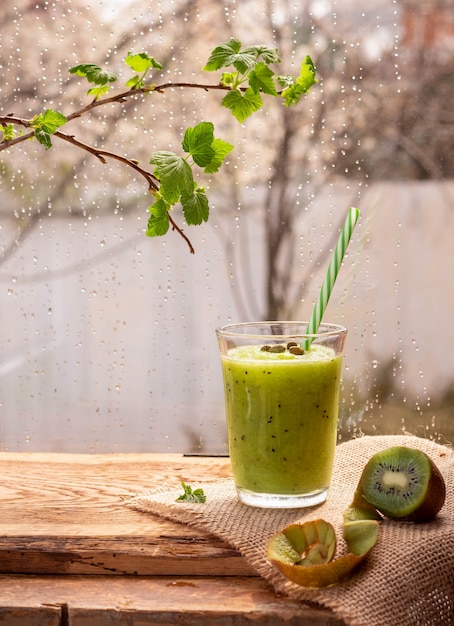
pixel 403 483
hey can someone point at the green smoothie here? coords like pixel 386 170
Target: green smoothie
pixel 282 411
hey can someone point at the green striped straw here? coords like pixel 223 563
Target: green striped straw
pixel 331 274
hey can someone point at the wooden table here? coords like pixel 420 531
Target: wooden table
pixel 72 554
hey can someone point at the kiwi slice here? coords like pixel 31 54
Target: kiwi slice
pixel 304 552
pixel 403 483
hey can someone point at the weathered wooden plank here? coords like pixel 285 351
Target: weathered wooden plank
pixel 107 600
pixel 31 616
pixel 64 514
pixel 166 554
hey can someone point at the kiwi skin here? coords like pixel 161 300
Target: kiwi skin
pixel 432 488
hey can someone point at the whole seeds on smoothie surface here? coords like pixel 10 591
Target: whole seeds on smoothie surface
pixel 292 347
pixel 296 350
pixel 277 349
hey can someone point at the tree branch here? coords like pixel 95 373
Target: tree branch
pixel 152 181
pixel 181 233
pixel 146 89
pixel 103 154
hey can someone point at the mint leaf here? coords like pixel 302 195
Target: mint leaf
pixel 158 222
pixel 242 105
pixel 93 73
pixel 197 141
pixel 195 207
pixel 142 62
pixel 221 150
pixel 261 79
pixel 174 173
pixel 191 496
pixel 199 494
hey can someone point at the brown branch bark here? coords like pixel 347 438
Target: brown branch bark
pixel 103 154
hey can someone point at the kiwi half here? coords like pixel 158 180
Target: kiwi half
pixel 403 483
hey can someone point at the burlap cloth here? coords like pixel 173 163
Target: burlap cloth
pixel 408 579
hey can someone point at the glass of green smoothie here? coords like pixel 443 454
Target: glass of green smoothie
pixel 282 402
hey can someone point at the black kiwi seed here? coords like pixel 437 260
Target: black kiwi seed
pixel 403 483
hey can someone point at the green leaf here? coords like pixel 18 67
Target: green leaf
pixel 222 55
pixel 197 142
pixel 158 222
pixel 228 78
pixel 174 174
pixel 135 82
pixel 191 496
pixel 293 92
pixel 242 105
pixel 286 80
pixel 97 92
pixel 93 73
pixel 49 121
pixel 230 53
pixel 195 207
pixel 269 55
pixel 142 62
pixel 46 124
pixel 307 74
pixel 170 192
pixel 43 138
pixel 261 79
pixel 9 132
pixel 221 150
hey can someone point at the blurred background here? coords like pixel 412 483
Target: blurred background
pixel 107 339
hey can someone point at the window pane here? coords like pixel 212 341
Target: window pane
pixel 107 336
